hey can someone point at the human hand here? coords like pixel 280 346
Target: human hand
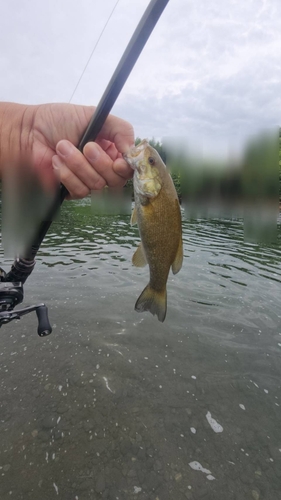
pixel 57 127
pixel 49 133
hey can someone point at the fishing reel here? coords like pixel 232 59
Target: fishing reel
pixel 11 294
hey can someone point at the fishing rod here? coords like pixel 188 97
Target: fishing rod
pixel 11 283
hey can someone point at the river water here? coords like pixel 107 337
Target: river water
pixel 117 405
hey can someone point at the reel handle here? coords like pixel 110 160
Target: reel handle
pixel 44 327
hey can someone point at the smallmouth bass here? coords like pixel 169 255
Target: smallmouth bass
pixel 157 213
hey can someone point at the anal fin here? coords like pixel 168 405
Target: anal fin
pixel 139 258
pixel 176 265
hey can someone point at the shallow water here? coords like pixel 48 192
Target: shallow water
pixel 115 404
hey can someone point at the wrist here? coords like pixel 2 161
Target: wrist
pixel 15 127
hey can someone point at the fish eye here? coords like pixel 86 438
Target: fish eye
pixel 151 160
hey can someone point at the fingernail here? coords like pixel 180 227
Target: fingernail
pixel 64 148
pixel 56 162
pixel 91 151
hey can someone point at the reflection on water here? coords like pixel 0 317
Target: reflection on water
pixel 116 405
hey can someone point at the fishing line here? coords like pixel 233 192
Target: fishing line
pixel 95 46
pixel 87 63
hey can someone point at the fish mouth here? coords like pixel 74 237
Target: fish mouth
pixel 131 161
pixel 135 154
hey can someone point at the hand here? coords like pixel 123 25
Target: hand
pixel 45 137
pixel 58 127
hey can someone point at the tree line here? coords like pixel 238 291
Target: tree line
pixel 255 179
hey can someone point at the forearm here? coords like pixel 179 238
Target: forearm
pixel 15 126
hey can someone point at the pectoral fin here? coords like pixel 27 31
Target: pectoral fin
pixel 176 266
pixel 134 219
pixel 139 258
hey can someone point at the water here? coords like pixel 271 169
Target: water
pixel 116 405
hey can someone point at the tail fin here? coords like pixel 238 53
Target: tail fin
pixel 153 301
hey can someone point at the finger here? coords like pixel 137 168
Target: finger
pixel 76 188
pixel 79 165
pixel 102 164
pixel 118 131
pixel 121 168
pixel 109 148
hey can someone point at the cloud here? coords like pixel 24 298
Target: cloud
pixel 225 111
pixel 45 47
pixel 216 73
pixel 209 68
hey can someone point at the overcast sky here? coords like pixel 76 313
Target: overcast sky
pixel 211 69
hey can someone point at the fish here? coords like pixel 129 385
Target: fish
pixel 158 216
